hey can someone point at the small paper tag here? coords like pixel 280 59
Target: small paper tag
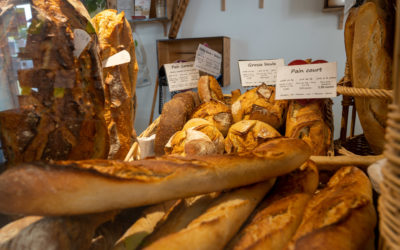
pixel 117 59
pixel 254 73
pixel 306 81
pixel 181 76
pixel 81 40
pixel 208 60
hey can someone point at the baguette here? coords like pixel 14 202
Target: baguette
pixel 214 228
pixel 99 185
pixel 340 216
pixel 278 216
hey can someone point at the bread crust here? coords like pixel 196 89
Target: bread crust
pixel 209 89
pixel 100 185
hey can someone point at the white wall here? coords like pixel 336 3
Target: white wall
pixel 289 29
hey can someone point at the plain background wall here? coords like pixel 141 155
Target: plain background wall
pixel 288 29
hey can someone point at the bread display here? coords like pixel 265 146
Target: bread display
pixel 276 219
pixel 247 135
pixel 340 216
pixel 216 112
pixel 174 115
pixel 115 35
pixel 307 120
pixel 62 116
pixel 209 89
pixel 84 186
pixel 370 44
pixel 197 137
pixel 215 227
pixel 260 104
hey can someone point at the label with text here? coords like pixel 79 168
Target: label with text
pixel 254 73
pixel 81 40
pixel 306 81
pixel 181 76
pixel 119 58
pixel 208 60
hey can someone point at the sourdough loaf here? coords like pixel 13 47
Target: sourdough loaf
pixel 115 35
pixel 260 104
pixel 247 135
pixel 209 89
pixel 340 216
pixel 75 187
pixel 371 67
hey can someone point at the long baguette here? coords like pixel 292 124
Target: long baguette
pixel 213 229
pixel 92 186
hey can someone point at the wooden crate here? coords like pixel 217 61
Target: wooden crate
pixel 173 50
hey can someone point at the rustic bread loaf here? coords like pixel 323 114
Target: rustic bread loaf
pixel 197 137
pixel 115 35
pixel 307 120
pixel 276 219
pixel 65 115
pixel 216 112
pixel 209 89
pixel 260 104
pixel 371 68
pixel 216 226
pixel 340 216
pixel 174 115
pixel 100 185
pixel 247 135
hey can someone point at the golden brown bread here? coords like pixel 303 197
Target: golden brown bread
pixel 260 104
pixel 340 216
pixel 276 219
pixel 235 94
pixel 215 227
pixel 84 186
pixel 247 135
pixel 216 112
pixel 209 89
pixel 371 68
pixel 115 35
pixel 197 137
pixel 307 120
pixel 174 115
pixel 65 119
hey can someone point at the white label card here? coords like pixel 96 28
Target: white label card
pixel 306 81
pixel 208 60
pixel 117 59
pixel 181 76
pixel 81 40
pixel 254 73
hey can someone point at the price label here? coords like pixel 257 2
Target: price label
pixel 119 58
pixel 306 81
pixel 181 76
pixel 208 60
pixel 81 40
pixel 254 73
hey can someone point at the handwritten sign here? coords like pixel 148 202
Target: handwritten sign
pixel 181 76
pixel 306 81
pixel 254 73
pixel 208 60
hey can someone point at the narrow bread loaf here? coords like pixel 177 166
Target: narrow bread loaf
pixel 340 216
pixel 214 228
pixel 75 187
pixel 209 89
pixel 276 219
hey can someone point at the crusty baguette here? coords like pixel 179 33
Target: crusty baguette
pixel 100 185
pixel 214 228
pixel 188 210
pixel 340 216
pixel 276 219
pixel 145 225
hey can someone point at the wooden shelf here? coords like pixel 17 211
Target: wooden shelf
pixel 163 20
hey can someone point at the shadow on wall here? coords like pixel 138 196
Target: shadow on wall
pixel 305 7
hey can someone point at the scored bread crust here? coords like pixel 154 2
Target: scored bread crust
pixel 99 185
pixel 209 89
